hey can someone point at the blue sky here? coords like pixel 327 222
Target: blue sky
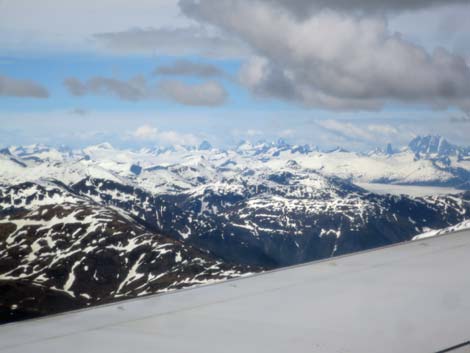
pixel 249 83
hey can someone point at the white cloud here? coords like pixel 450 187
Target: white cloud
pixel 176 138
pixel 149 133
pixel 253 133
pixel 346 129
pixel 146 132
pixel 364 134
pixel 287 133
pixel 382 129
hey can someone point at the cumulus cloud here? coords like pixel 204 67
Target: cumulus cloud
pixel 12 87
pixel 191 40
pixel 150 133
pixel 189 68
pixel 208 93
pixel 335 60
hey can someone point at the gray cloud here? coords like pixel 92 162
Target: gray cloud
pixel 335 60
pixel 134 89
pixel 12 87
pixel 195 40
pixel 306 7
pixel 79 111
pixel 463 119
pixel 208 93
pixel 189 68
pixel 75 86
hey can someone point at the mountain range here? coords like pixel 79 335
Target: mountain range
pixel 89 226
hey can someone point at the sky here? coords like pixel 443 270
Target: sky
pixel 351 73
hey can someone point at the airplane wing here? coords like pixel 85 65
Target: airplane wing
pixel 413 297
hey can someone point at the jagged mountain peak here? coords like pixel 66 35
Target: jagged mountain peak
pixel 337 150
pixel 432 144
pixel 29 149
pixel 5 152
pixel 204 146
pixel 388 151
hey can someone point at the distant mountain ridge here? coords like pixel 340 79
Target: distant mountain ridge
pixel 427 146
pixel 428 160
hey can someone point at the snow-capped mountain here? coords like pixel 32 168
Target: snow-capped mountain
pixel 436 146
pixel 427 160
pixel 276 219
pixel 465 225
pixel 87 226
pixel 76 252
